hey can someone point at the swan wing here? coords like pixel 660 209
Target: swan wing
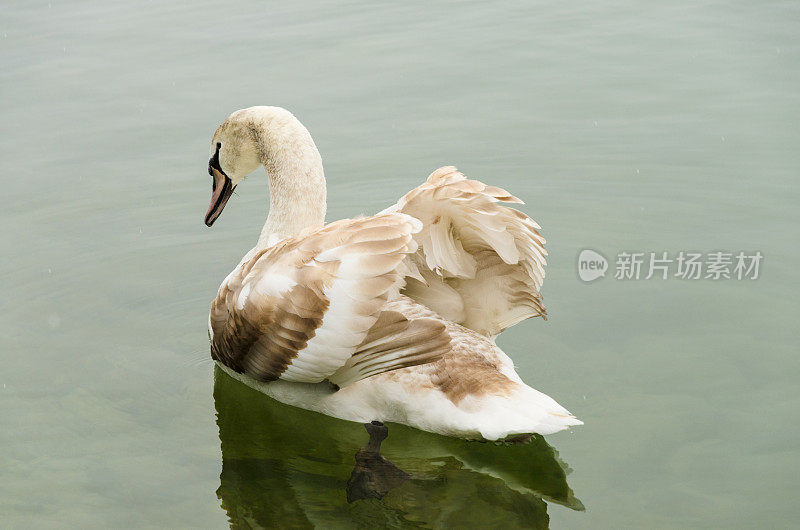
pixel 313 304
pixel 480 263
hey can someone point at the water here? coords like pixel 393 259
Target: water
pixel 624 127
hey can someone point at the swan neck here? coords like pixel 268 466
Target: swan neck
pixel 297 192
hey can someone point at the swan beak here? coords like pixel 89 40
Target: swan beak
pixel 221 189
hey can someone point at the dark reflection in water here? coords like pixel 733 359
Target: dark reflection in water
pixel 290 468
pixel 373 476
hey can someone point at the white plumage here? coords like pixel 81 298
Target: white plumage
pixel 390 317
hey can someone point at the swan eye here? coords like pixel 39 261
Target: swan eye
pixel 213 162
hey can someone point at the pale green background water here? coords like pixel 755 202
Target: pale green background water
pixel 624 126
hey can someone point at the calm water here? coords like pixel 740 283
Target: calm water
pixel 624 127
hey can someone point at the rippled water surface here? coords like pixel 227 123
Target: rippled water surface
pixel 624 126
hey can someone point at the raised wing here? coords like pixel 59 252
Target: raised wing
pixel 314 305
pixel 481 263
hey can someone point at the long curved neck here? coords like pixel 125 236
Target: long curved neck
pixel 297 193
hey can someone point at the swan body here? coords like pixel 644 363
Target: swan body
pixel 390 317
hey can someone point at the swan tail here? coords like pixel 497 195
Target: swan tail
pixel 524 412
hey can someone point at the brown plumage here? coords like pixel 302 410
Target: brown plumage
pixel 469 364
pixel 273 304
pixel 422 339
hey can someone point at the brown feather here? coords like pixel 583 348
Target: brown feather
pixel 273 304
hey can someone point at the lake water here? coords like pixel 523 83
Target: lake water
pixel 624 126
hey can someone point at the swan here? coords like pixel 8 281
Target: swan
pixel 390 317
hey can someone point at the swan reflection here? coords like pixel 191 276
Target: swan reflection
pixel 287 467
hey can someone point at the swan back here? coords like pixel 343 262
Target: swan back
pixel 482 263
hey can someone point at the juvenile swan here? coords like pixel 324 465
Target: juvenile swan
pixel 390 317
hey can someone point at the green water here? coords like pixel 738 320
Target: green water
pixel 623 126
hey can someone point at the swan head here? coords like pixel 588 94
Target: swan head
pixel 273 138
pixel 234 153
